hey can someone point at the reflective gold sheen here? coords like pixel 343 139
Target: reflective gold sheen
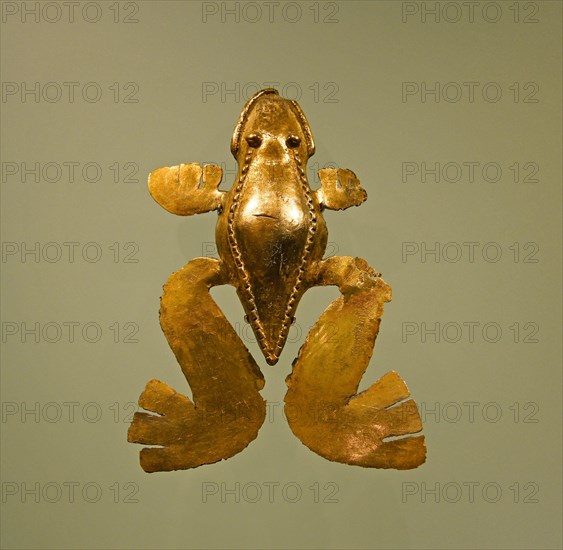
pixel 271 238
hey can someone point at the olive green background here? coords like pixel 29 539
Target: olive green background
pixel 365 55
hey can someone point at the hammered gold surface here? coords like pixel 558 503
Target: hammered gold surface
pixel 271 237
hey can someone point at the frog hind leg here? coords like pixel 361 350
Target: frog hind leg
pixel 227 409
pixel 322 405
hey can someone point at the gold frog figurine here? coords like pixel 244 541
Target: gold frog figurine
pixel 271 237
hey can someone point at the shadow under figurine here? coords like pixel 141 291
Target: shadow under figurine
pixel 271 238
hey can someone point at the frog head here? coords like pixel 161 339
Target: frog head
pixel 274 128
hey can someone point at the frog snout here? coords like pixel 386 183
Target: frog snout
pixel 274 149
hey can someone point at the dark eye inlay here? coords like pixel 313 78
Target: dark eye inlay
pixel 293 141
pixel 254 140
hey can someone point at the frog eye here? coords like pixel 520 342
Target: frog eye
pixel 254 140
pixel 293 141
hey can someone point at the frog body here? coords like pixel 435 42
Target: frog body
pixel 271 230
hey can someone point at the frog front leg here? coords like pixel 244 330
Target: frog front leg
pixel 340 189
pixel 227 409
pixel 322 405
pixel 188 188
